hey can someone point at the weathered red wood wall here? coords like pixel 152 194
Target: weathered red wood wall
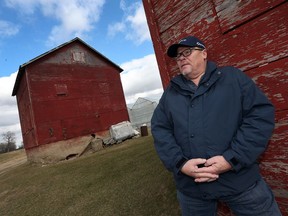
pixel 69 93
pixel 251 35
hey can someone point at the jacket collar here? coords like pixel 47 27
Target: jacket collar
pixel 209 78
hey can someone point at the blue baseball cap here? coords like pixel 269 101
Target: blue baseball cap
pixel 189 41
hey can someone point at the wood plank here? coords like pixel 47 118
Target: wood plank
pixel 258 46
pixel 254 44
pixel 167 13
pixel 273 163
pixel 272 79
pixel 234 13
pixel 201 23
pixel 235 48
pixel 278 145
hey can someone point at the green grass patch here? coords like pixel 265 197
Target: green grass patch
pixel 124 179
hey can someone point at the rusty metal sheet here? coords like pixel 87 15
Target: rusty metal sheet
pixel 234 13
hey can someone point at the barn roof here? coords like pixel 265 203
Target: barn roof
pixel 141 100
pixel 22 67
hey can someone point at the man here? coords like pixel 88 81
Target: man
pixel 209 128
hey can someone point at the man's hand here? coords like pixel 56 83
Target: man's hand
pixel 191 168
pixel 207 173
pixel 218 164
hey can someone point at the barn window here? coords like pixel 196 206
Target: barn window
pixel 61 89
pixel 78 56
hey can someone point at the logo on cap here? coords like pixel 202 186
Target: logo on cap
pixel 199 44
pixel 183 40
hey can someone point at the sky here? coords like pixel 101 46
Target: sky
pixel 116 29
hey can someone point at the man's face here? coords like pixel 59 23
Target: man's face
pixel 191 61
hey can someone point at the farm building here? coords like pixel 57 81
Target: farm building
pixel 64 96
pixel 251 35
pixel 141 112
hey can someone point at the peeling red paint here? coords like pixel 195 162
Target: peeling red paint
pixel 235 13
pixel 251 35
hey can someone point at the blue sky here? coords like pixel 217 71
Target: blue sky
pixel 31 29
pixel 117 29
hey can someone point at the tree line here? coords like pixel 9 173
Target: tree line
pixel 9 142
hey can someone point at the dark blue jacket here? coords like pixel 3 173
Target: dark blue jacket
pixel 227 115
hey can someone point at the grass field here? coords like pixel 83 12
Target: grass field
pixel 125 179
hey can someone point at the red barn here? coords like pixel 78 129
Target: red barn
pixel 64 96
pixel 251 35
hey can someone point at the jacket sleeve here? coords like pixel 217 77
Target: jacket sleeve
pixel 165 144
pixel 256 127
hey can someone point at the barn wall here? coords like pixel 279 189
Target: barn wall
pixel 64 97
pixel 71 98
pixel 25 113
pixel 251 35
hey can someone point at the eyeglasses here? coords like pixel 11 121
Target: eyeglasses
pixel 185 53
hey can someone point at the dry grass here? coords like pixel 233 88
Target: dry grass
pixel 12 155
pixel 125 179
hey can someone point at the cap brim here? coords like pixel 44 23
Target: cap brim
pixel 172 50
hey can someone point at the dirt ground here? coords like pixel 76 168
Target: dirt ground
pixel 13 161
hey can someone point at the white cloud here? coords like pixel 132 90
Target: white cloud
pixel 141 78
pixel 133 25
pixel 7 84
pixel 8 28
pixel 27 6
pixel 116 28
pixel 85 14
pixel 9 118
pixel 138 24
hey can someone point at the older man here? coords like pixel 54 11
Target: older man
pixel 209 129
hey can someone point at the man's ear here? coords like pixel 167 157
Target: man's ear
pixel 204 53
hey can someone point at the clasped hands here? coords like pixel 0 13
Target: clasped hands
pixel 207 173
